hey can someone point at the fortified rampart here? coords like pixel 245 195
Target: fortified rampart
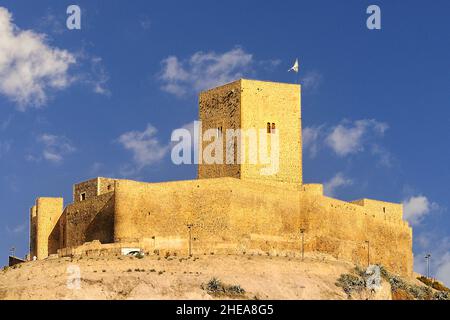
pixel 231 208
pixel 229 215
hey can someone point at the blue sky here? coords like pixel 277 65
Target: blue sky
pixel 104 100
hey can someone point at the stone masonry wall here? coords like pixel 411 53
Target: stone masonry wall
pixel 48 212
pixel 234 216
pixel 33 226
pixel 280 104
pixel 92 219
pixel 220 108
pixel 89 188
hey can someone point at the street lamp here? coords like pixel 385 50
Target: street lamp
pixel 190 225
pixel 302 232
pixel 13 251
pixel 428 257
pixel 368 252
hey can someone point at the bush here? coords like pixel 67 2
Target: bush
pixel 433 284
pixel 217 288
pixel 440 287
pixel 214 286
pixel 235 290
pixel 413 291
pixel 350 283
pixel 442 295
pixel 425 280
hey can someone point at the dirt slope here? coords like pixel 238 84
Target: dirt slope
pixel 179 278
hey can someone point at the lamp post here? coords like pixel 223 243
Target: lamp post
pixel 13 251
pixel 190 238
pixel 302 232
pixel 428 257
pixel 368 252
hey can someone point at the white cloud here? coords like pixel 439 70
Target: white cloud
pixel 5 146
pixel 144 145
pixel 52 22
pixel 385 158
pixel 17 229
pixel 338 181
pixel 348 138
pixel 440 258
pixel 311 81
pixel 311 139
pixel 443 268
pixel 29 67
pixel 417 207
pixel 4 124
pixel 145 22
pixel 20 228
pixel 98 77
pixel 55 148
pixel 203 70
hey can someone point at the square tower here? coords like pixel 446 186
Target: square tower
pixel 264 107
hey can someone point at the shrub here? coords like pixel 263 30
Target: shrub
pixel 214 286
pixel 425 280
pixel 350 283
pixel 401 288
pixel 440 287
pixel 235 290
pixel 433 284
pixel 217 288
pixel 442 295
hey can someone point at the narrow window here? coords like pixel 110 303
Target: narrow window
pixel 109 187
pixel 384 209
pixel 273 127
pixel 268 127
pixel 83 196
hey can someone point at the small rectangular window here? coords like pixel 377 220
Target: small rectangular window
pixel 83 196
pixel 268 127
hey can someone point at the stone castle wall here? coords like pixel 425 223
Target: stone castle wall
pixel 220 108
pixel 33 231
pixel 48 213
pixel 249 104
pixel 235 216
pixel 231 208
pixel 280 104
pixel 85 221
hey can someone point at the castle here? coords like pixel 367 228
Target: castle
pixel 231 208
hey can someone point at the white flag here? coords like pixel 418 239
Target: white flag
pixel 294 67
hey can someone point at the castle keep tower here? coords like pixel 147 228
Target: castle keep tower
pixel 266 107
pixel 234 207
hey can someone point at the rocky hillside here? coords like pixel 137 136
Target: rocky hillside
pixel 202 277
